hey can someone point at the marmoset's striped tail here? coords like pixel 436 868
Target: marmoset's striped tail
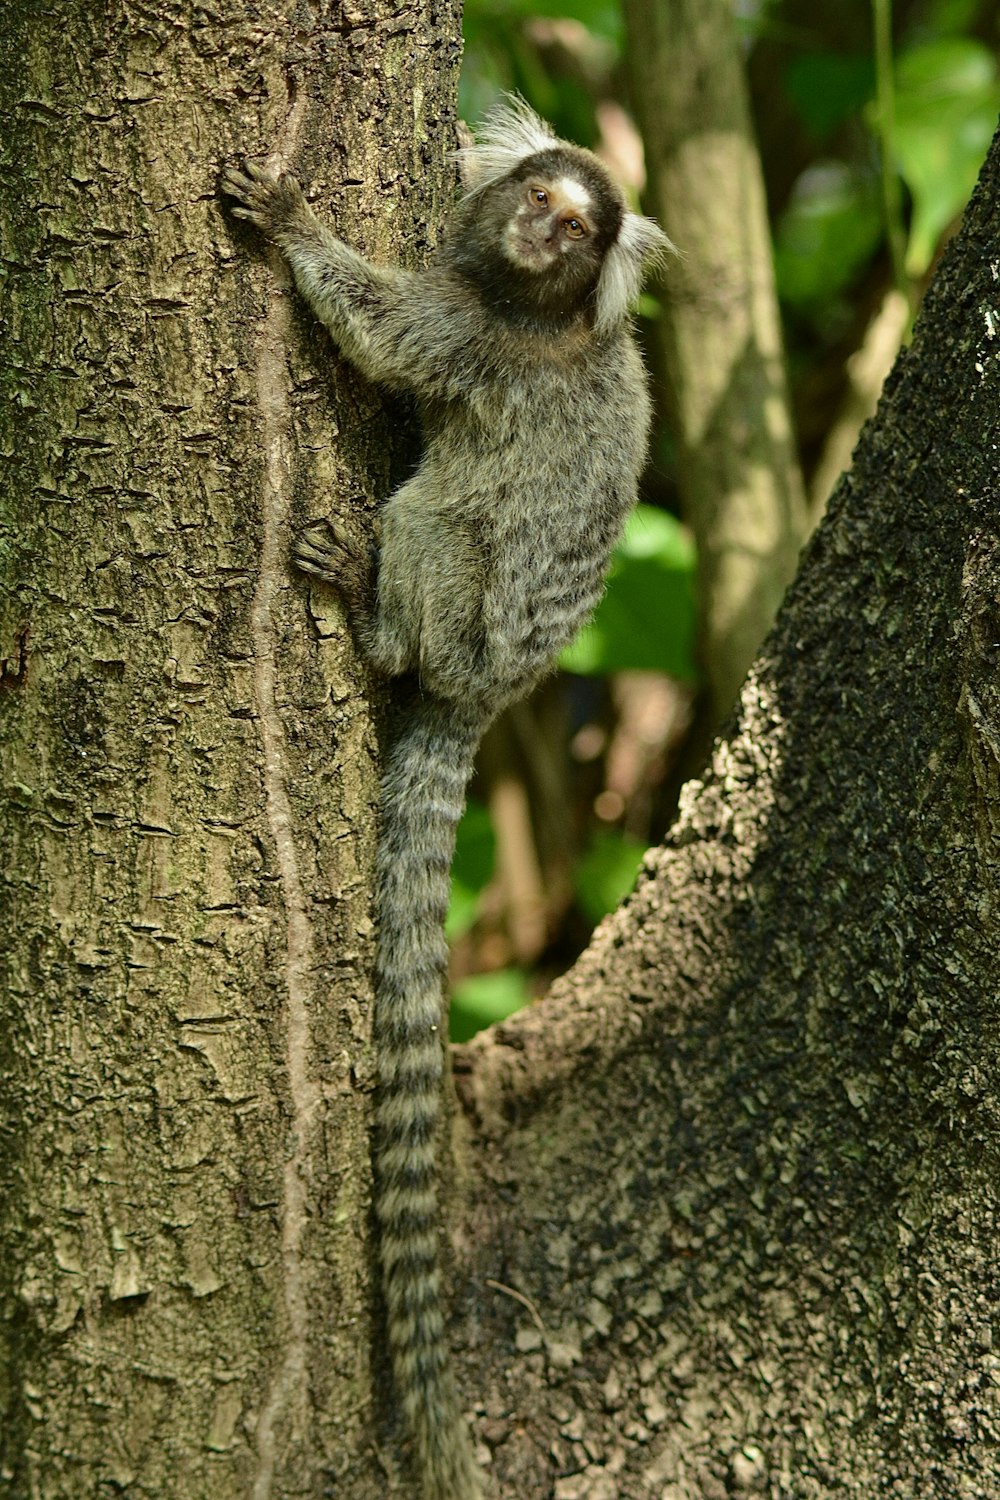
pixel 429 762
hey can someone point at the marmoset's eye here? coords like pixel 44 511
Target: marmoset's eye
pixel 540 196
pixel 574 228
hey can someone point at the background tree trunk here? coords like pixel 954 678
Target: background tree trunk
pixel 720 334
pixel 739 1174
pixel 187 757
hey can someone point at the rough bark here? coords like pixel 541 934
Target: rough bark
pixel 186 1297
pixel 720 334
pixel 734 1229
pixel 739 1173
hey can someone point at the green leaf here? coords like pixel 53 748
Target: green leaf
pixel 606 873
pixel 830 229
pixel 947 99
pixel 472 867
pixel 646 619
pixel 483 999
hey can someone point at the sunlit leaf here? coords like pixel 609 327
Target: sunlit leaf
pixel 947 99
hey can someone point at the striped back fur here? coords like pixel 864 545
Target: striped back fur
pixel 431 749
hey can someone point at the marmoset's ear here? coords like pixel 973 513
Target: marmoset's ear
pixel 639 243
pixel 509 133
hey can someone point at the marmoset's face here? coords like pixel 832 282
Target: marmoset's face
pixel 553 218
pixel 560 215
pixel 535 241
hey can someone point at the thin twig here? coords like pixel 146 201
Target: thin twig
pixel 498 1286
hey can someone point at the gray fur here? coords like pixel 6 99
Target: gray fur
pixel 535 418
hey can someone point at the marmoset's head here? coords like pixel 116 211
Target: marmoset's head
pixel 543 229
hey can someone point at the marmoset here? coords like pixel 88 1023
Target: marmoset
pixel 517 343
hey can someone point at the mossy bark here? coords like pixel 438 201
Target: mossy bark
pixel 187 762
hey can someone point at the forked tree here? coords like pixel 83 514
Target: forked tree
pixel 724 1206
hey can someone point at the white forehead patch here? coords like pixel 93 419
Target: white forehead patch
pixel 573 192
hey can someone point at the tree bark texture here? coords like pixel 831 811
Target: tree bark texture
pixel 735 1220
pixel 720 334
pixel 739 1173
pixel 188 764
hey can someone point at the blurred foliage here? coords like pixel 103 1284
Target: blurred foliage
pixel 813 84
pixel 483 999
pixel 472 867
pixel 480 999
pixel 828 233
pixel 605 873
pixel 503 52
pixel 947 101
pixel 646 620
pixel 827 89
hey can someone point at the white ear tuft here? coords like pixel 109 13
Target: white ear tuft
pixel 639 241
pixel 509 133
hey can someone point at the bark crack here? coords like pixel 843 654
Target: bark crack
pixel 286 1404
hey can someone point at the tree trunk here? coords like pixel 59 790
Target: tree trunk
pixel 720 334
pixel 735 1216
pixel 745 1158
pixel 188 1305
